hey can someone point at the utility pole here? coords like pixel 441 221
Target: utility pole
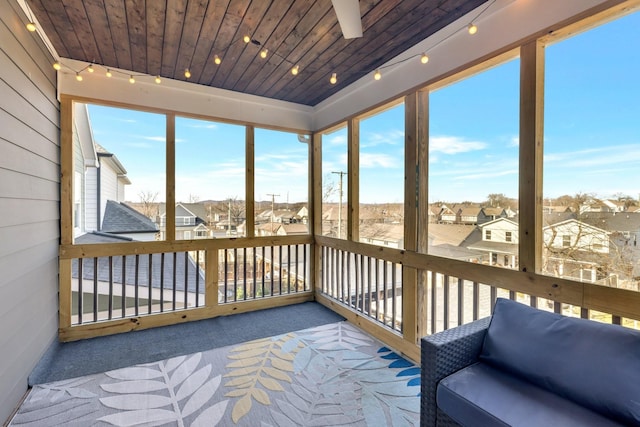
pixel 340 203
pixel 273 197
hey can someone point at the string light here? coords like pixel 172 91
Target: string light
pixel 31 26
pixel 471 28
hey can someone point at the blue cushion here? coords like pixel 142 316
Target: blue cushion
pixel 594 364
pixel 482 396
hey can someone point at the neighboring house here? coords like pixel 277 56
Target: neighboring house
pixel 576 235
pixel 303 215
pixel 448 215
pixel 291 229
pixel 98 176
pixel 191 221
pixel 497 240
pixel 471 215
pixel 490 214
pixel 390 235
pixel 122 220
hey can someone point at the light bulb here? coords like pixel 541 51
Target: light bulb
pixel 90 69
pixel 263 53
pixel 246 39
pixel 132 80
pixel 472 29
pixel 295 70
pixel 31 26
pixel 424 58
pixel 109 73
pixel 57 66
pixel 334 79
pixel 78 77
pixel 158 79
pixel 187 73
pixel 377 75
pixel 217 60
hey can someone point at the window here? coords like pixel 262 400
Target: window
pixel 281 182
pixel 211 174
pixel 119 164
pixel 592 153
pixel 381 184
pixel 474 160
pixel 507 236
pixel 334 183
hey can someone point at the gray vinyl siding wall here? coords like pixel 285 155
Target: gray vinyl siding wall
pixel 29 204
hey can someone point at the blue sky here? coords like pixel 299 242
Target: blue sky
pixel 591 136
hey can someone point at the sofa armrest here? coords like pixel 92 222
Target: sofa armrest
pixel 443 354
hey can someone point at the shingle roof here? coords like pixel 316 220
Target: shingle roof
pixel 120 218
pixel 181 266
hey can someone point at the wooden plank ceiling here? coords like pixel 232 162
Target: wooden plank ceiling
pixel 166 37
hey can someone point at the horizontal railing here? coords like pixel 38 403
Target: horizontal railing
pixel 109 288
pixel 401 296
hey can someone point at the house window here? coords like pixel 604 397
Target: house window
pixel 577 163
pixel 77 200
pixel 201 233
pixel 462 133
pixel 508 236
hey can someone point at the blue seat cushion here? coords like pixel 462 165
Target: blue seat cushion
pixel 482 396
pixel 594 364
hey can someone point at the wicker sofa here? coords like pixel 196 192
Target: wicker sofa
pixel 528 367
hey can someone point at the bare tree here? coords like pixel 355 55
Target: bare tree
pixel 149 206
pixel 194 198
pixel 329 187
pixel 232 209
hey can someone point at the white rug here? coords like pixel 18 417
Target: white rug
pixel 331 375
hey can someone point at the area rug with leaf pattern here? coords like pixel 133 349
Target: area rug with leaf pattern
pixel 328 375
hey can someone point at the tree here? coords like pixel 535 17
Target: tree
pixel 233 208
pixel 498 200
pixel 149 205
pixel 329 187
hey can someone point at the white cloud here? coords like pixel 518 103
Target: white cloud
pixel 155 138
pixel 378 160
pixel 372 139
pixel 596 157
pixel 454 145
pixel 515 142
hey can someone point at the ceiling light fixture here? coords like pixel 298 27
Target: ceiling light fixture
pixel 377 75
pixel 109 73
pixel 334 79
pixel 31 26
pixel 246 39
pixel 263 53
pixel 132 80
pixel 57 66
pixel 472 28
pixel 158 81
pixel 90 68
pixel 295 70
pixel 187 73
pixel 78 77
pixel 217 60
pixel 424 58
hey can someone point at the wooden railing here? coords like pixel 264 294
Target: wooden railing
pixel 400 296
pixel 111 288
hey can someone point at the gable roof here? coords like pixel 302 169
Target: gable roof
pixel 121 218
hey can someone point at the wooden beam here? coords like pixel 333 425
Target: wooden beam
pixel 531 156
pixel 250 182
pixel 170 201
pixel 66 170
pixel 353 180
